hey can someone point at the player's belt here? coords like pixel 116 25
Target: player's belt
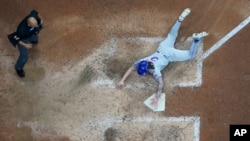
pixel 162 54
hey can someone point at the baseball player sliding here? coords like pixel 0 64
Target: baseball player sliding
pixel 165 53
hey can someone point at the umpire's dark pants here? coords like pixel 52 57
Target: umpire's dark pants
pixel 23 57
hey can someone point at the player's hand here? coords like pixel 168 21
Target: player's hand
pixel 119 85
pixel 154 101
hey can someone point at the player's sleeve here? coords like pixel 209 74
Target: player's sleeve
pixel 157 74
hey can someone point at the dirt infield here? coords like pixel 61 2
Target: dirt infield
pixel 86 46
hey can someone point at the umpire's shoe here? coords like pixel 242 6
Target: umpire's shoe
pixel 20 73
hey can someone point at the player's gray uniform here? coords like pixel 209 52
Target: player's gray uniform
pixel 167 53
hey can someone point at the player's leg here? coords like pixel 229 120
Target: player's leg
pixel 179 55
pixel 175 28
pixel 193 49
pixel 197 37
pixel 172 35
pixel 183 55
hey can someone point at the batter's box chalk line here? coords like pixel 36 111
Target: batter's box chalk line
pixel 107 122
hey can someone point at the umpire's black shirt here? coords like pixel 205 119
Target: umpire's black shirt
pixel 24 31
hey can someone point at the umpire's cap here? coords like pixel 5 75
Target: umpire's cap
pixel 142 68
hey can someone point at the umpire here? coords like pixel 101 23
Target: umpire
pixel 25 37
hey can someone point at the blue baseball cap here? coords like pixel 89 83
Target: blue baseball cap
pixel 142 68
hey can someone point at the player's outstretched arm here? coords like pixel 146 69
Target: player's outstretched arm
pixel 159 91
pixel 125 76
pixel 160 87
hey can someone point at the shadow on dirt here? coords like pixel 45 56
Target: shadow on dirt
pixel 111 134
pixel 115 68
pixel 87 75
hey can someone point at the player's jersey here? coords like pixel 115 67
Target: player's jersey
pixel 159 60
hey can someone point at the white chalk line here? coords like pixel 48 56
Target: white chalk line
pixel 226 38
pixel 198 81
pixel 109 121
pixel 112 84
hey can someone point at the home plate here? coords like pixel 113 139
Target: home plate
pixel 161 103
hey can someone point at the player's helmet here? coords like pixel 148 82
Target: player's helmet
pixel 142 68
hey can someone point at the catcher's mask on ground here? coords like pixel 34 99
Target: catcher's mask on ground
pixel 142 68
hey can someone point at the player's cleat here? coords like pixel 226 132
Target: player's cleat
pixel 184 14
pixel 200 35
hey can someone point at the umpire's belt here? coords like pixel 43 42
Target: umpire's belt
pixel 162 54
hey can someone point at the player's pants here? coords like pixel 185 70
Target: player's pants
pixel 167 46
pixel 23 57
